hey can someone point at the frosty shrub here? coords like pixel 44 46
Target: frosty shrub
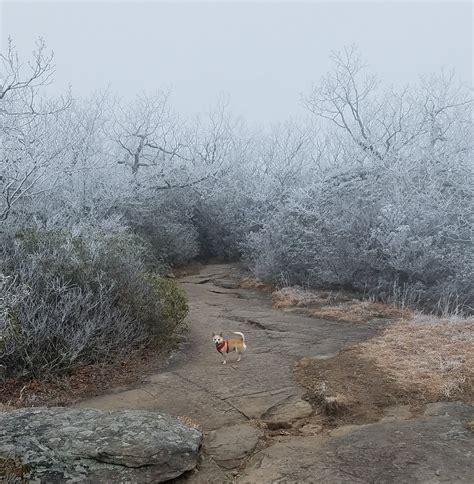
pixel 72 298
pixel 174 307
pixel 389 213
pixel 371 192
pixel 360 232
pixel 165 223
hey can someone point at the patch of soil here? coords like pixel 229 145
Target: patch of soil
pixel 86 381
pixel 188 270
pixel 346 389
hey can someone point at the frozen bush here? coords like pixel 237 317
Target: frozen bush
pixel 373 193
pixel 390 205
pixel 165 222
pixel 76 298
pixel 367 229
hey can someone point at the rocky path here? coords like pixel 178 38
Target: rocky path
pixel 236 404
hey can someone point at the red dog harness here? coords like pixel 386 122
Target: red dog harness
pixel 220 346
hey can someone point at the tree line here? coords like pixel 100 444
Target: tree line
pixel 371 191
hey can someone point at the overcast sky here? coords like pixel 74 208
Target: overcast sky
pixel 263 54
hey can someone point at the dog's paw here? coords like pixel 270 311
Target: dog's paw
pixel 224 362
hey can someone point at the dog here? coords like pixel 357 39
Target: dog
pixel 224 346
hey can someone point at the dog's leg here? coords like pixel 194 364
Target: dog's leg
pixel 225 361
pixel 239 357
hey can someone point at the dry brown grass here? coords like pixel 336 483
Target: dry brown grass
pixel 189 421
pixel 294 296
pixel 337 305
pixel 428 355
pixel 12 471
pixel 358 311
pixel 250 282
pixel 412 362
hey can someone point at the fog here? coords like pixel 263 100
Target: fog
pixel 357 182
pixel 262 55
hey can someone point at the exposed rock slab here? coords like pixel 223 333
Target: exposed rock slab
pixel 63 445
pixel 287 411
pixel 170 393
pixel 311 429
pixel 437 447
pixel 229 445
pixel 267 402
pixel 208 472
pixel 197 385
pixel 397 412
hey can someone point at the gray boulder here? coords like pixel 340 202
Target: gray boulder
pixel 437 447
pixel 57 445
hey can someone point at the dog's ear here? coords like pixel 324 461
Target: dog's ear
pixel 221 335
pixel 213 334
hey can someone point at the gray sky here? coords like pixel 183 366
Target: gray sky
pixel 263 54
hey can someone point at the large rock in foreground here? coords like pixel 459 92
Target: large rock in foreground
pixel 437 447
pixel 63 444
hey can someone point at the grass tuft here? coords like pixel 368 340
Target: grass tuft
pixel 428 355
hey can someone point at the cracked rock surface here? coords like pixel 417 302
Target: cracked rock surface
pixel 261 386
pixel 230 445
pixel 79 445
pixel 435 447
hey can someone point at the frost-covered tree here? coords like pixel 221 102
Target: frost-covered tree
pixel 392 200
pixel 29 124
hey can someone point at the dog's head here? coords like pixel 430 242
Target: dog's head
pixel 217 338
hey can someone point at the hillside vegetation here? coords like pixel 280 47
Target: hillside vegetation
pixel 100 196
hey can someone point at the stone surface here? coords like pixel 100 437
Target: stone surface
pixel 62 445
pixel 311 429
pixel 452 409
pixel 229 445
pixel 397 412
pixel 197 385
pixel 429 449
pixel 255 405
pixel 436 447
pixel 208 472
pixel 287 411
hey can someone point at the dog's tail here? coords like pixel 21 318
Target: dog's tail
pixel 243 338
pixel 241 335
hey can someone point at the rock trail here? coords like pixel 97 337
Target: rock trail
pixel 227 400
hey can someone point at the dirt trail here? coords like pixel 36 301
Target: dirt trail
pixel 260 388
